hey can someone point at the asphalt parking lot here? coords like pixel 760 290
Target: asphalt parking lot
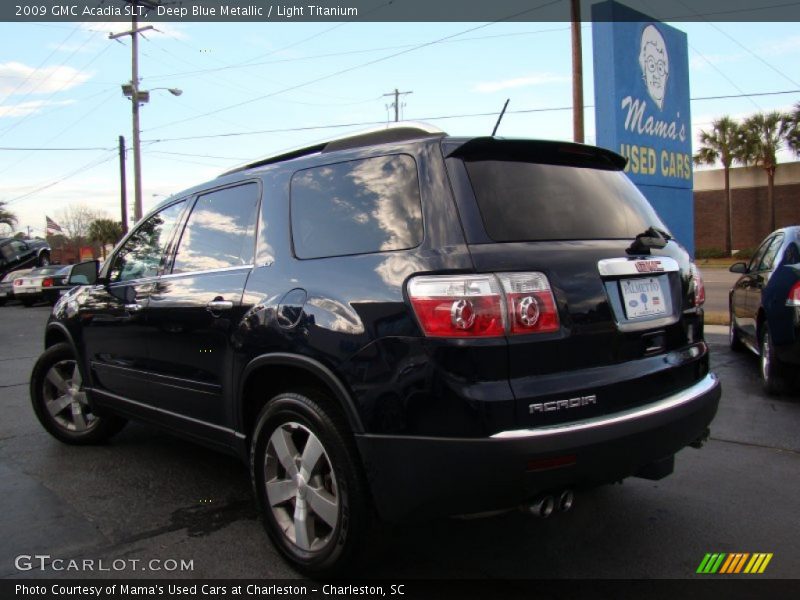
pixel 150 496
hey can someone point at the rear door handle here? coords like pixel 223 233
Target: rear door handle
pixel 218 305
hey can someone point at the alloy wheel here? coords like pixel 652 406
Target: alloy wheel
pixel 65 398
pixel 765 358
pixel 301 487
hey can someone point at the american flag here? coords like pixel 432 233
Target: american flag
pixel 53 228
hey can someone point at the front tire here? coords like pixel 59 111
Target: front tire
pixel 60 403
pixel 773 372
pixel 734 341
pixel 309 484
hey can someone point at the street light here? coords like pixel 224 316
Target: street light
pixel 138 98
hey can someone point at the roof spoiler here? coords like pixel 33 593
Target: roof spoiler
pixel 541 151
pixel 393 132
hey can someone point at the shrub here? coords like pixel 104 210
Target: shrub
pixel 703 253
pixel 746 252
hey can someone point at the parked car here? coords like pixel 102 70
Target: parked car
pixel 7 285
pixel 18 254
pixel 394 325
pixel 37 284
pixel 58 284
pixel 765 307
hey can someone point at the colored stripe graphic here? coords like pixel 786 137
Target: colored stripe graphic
pixel 722 563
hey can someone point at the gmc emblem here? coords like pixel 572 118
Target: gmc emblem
pixel 649 266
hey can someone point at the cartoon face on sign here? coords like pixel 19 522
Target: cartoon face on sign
pixel 654 61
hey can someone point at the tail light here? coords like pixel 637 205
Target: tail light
pixel 483 305
pixel 48 282
pixel 458 306
pixel 18 282
pixel 531 306
pixel 697 286
pixel 794 295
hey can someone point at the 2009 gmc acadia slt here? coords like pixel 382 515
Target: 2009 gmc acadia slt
pixel 393 325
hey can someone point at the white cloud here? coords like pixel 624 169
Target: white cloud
pixel 27 108
pixel 18 78
pixel 787 45
pixel 779 47
pixel 487 87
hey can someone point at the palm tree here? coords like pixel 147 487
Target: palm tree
pixel 6 216
pixel 105 231
pixel 722 143
pixel 793 137
pixel 763 135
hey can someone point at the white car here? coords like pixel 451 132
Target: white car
pixel 28 288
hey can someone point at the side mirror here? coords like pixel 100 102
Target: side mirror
pixel 84 273
pixel 738 267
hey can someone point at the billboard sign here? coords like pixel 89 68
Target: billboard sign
pixel 641 75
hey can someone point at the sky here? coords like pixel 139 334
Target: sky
pixel 293 82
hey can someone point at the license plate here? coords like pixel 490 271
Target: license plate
pixel 643 297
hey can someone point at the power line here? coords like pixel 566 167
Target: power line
pixel 742 46
pixel 340 125
pixel 77 72
pixel 349 52
pixel 434 118
pixel 41 64
pixel 353 68
pixel 88 166
pixel 21 149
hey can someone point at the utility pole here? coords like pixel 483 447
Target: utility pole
pixel 123 187
pixel 577 72
pixel 397 93
pixel 137 97
pixel 137 150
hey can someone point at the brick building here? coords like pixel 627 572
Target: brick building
pixel 749 200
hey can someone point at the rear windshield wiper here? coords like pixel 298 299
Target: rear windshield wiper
pixel 650 238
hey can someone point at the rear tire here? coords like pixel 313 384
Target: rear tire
pixel 44 259
pixel 773 371
pixel 27 302
pixel 309 483
pixel 60 402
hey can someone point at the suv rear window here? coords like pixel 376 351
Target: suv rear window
pixel 525 201
pixel 356 207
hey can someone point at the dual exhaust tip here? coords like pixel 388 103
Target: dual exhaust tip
pixel 545 505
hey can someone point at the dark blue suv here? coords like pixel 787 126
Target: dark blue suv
pixel 395 325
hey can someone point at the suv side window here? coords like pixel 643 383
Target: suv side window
pixel 356 207
pixel 19 247
pixel 220 231
pixel 769 256
pixel 142 254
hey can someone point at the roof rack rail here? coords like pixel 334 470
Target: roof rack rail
pixel 393 132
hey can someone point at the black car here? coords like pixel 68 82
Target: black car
pixel 395 325
pixel 22 254
pixel 765 307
